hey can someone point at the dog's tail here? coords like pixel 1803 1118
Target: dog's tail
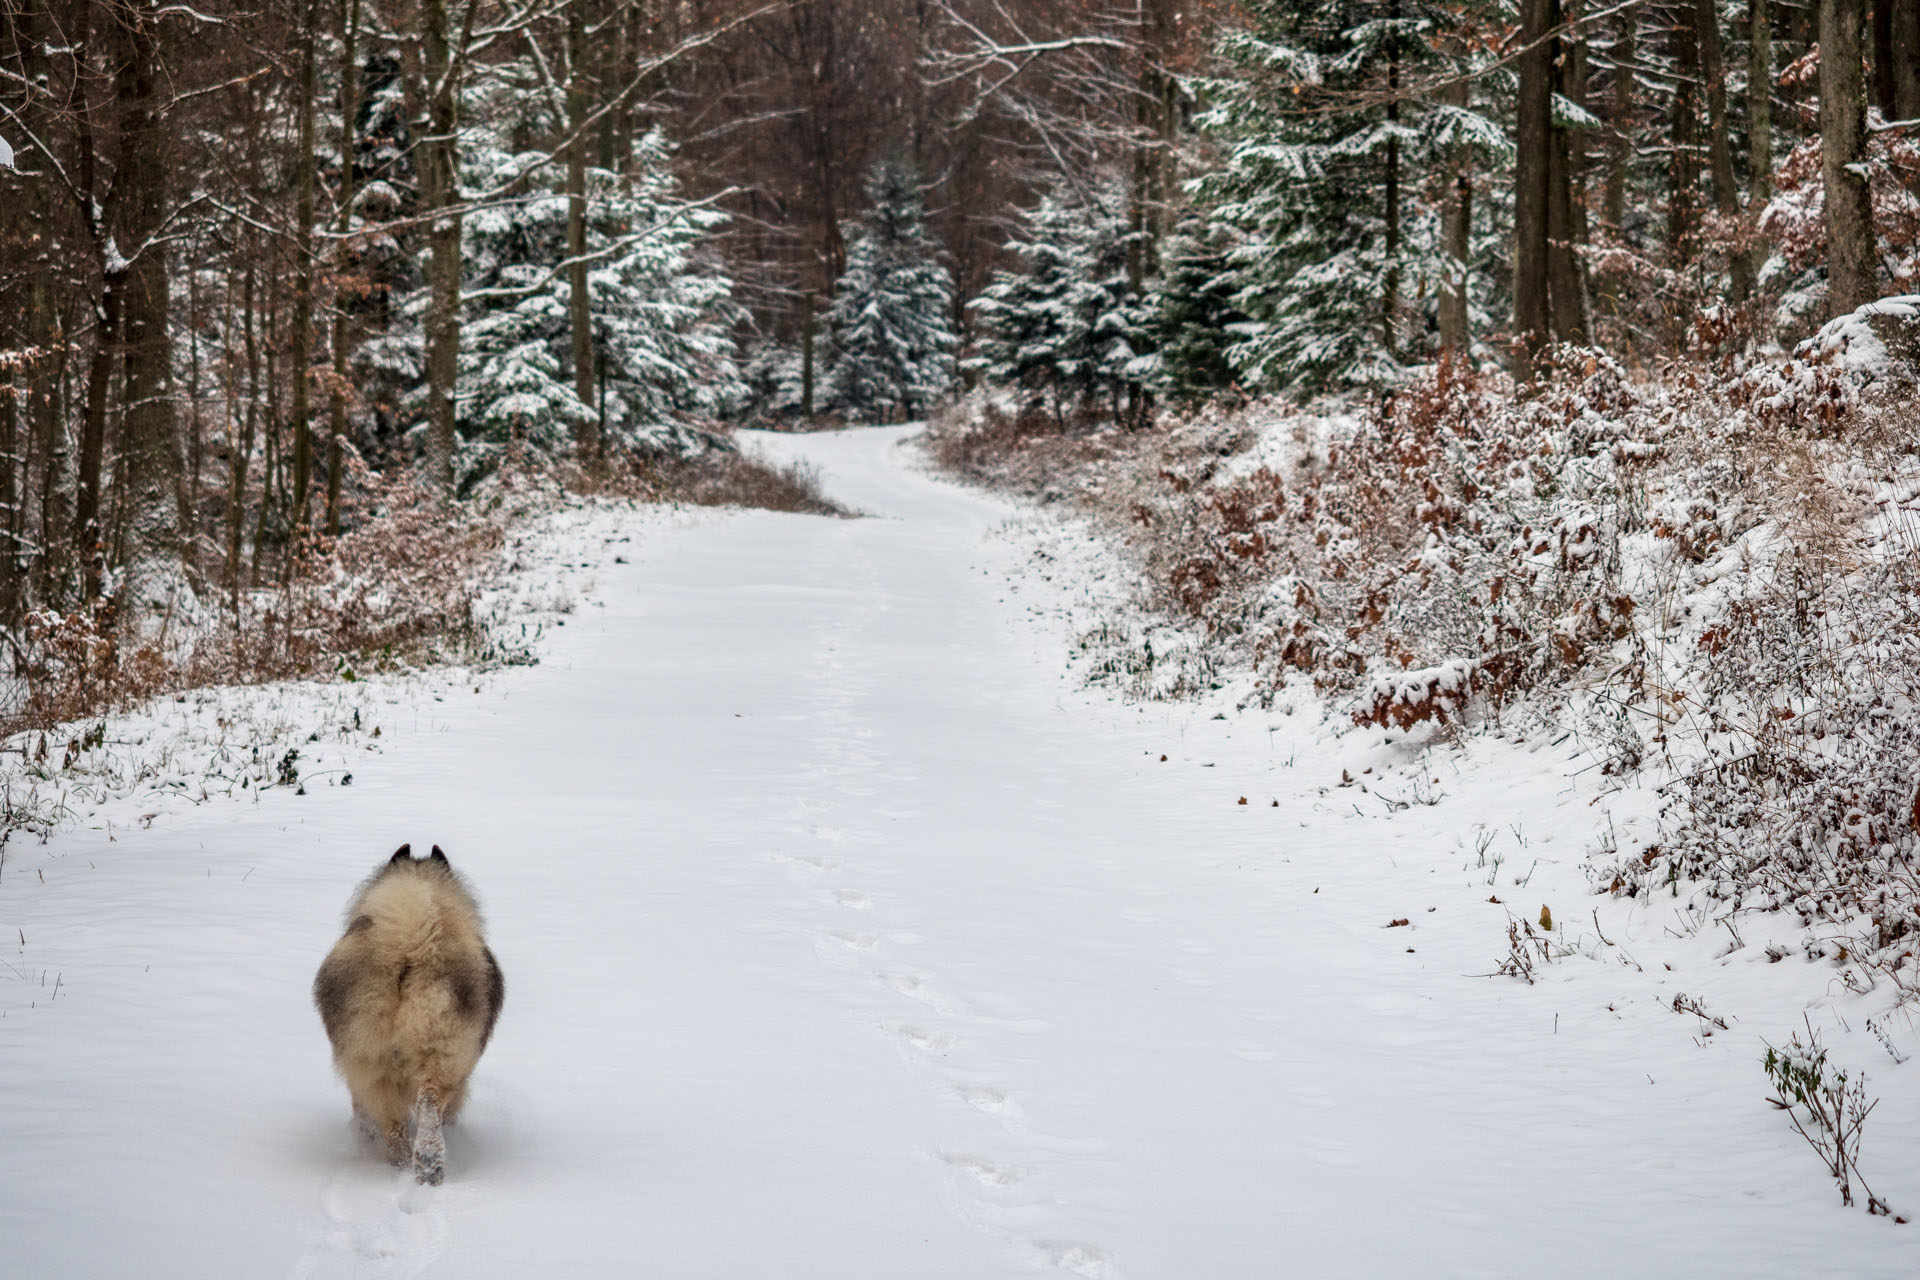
pixel 429 1144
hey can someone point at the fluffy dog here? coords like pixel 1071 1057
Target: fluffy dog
pixel 409 996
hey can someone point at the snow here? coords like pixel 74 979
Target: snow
pixel 847 934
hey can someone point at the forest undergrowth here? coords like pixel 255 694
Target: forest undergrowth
pixel 416 589
pixel 1709 571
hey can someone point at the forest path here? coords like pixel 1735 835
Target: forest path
pixel 845 938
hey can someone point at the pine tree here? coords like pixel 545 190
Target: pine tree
pixel 1195 319
pixel 892 317
pixel 662 314
pixel 1320 174
pixel 1068 324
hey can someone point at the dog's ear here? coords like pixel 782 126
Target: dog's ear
pixel 403 854
pixel 438 856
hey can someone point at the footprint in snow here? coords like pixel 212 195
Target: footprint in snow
pixel 1079 1259
pixel 993 1176
pixel 935 1042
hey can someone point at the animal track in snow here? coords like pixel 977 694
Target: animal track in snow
pixel 988 1173
pixel 996 1103
pixel 853 900
pixel 1080 1259
pixel 936 1042
pixel 397 1229
pixel 915 987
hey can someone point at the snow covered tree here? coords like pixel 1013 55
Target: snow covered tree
pixel 661 311
pixel 1068 324
pixel 1195 319
pixel 892 316
pixel 1320 167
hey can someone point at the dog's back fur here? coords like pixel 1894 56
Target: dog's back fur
pixel 409 996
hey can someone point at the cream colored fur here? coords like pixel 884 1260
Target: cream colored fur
pixel 409 995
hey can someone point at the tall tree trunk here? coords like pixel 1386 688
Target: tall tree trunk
pixel 138 210
pixel 134 327
pixel 1852 270
pixel 89 534
pixel 1683 132
pixel 579 304
pixel 1533 127
pixel 1567 298
pixel 1390 284
pixel 241 453
pixel 349 161
pixel 42 425
pixel 443 54
pixel 1614 212
pixel 1759 124
pixel 1726 197
pixel 1456 236
pixel 806 355
pixel 1613 209
pixel 302 353
pixel 1881 27
pixel 1904 59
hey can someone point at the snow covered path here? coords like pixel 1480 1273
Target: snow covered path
pixel 844 938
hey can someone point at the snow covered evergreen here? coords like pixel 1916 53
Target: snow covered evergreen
pixel 1343 259
pixel 892 318
pixel 1067 323
pixel 1195 319
pixel 662 311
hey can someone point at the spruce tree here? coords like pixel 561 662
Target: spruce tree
pixel 892 318
pixel 1320 167
pixel 1068 324
pixel 662 314
pixel 1195 319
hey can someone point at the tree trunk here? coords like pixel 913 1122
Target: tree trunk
pixel 1624 51
pixel 1852 270
pixel 302 354
pixel 1684 166
pixel 349 161
pixel 1613 210
pixel 1759 123
pixel 241 451
pixel 1390 284
pixel 579 304
pixel 1456 234
pixel 1726 197
pixel 806 355
pixel 440 190
pixel 1533 126
pixel 1567 298
pixel 1881 27
pixel 1904 59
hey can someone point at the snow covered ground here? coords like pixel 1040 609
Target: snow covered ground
pixel 846 936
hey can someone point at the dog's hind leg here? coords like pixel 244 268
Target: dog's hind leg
pixel 429 1144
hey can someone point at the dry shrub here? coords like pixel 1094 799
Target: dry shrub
pixel 1712 575
pixel 401 587
pixel 731 478
pixel 1432 694
pixel 1028 449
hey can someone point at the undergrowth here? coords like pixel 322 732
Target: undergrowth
pixel 1710 572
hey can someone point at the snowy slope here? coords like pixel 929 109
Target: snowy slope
pixel 846 937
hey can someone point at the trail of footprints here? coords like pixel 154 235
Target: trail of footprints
pixel 851 936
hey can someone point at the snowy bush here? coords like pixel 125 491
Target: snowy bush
pixel 1713 580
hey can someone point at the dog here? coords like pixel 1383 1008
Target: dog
pixel 409 997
